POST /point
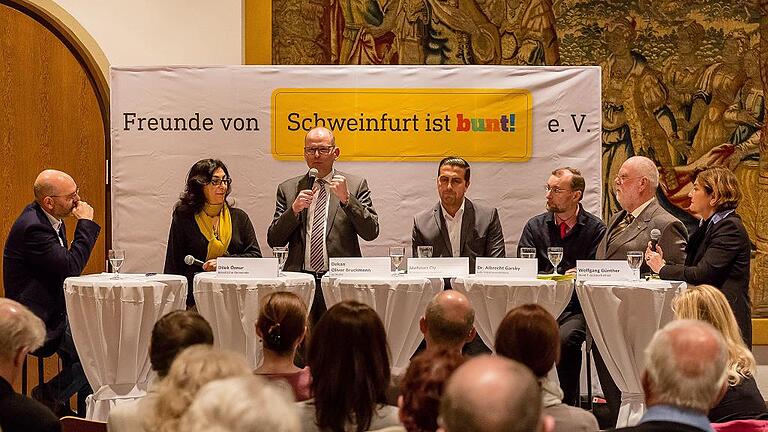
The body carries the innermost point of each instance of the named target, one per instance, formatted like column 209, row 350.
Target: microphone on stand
column 190, row 260
column 655, row 234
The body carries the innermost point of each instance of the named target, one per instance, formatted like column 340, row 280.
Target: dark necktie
column 621, row 227
column 316, row 256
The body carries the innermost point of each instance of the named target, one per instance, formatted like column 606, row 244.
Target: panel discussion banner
column 392, row 125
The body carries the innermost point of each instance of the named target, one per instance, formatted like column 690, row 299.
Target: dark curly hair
column 201, row 173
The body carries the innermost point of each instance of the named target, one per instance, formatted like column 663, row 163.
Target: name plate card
column 522, row 268
column 616, row 270
column 374, row 266
column 247, row 268
column 438, row 267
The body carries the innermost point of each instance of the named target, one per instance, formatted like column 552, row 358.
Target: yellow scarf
column 217, row 246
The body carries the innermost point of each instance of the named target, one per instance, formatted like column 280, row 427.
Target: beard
column 554, row 208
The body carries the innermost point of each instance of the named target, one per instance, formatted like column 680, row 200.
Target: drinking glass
column 116, row 258
column 635, row 260
column 527, row 252
column 555, row 255
column 397, row 254
column 424, row 251
column 281, row 253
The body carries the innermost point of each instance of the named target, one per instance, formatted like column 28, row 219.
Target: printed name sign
column 616, row 270
column 438, row 267
column 523, row 268
column 377, row 267
column 246, row 268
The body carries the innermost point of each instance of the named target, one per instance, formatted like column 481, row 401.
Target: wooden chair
column 76, row 424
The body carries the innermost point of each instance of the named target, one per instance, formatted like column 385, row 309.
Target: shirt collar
column 674, row 414
column 327, row 179
column 459, row 212
column 570, row 222
column 717, row 217
column 55, row 223
column 641, row 207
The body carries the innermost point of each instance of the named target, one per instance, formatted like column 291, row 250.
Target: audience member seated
column 743, row 400
column 21, row 332
column 349, row 360
column 530, row 335
column 192, row 369
column 246, row 403
column 282, row 325
column 685, row 376
column 174, row 332
column 493, row 393
column 422, row 387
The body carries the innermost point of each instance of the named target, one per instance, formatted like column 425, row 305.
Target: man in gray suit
column 325, row 220
column 630, row 230
column 455, row 226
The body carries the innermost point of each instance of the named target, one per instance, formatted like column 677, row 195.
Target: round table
column 400, row 302
column 623, row 317
column 111, row 322
column 231, row 307
column 493, row 297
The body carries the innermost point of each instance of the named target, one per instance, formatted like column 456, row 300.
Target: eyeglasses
column 621, row 178
column 321, row 150
column 556, row 190
column 71, row 196
column 217, row 181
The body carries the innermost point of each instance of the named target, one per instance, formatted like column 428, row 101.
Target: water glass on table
column 281, row 253
column 424, row 251
column 555, row 255
column 397, row 255
column 116, row 258
column 527, row 252
column 635, row 261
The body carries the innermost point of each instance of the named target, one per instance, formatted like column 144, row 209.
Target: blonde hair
column 707, row 303
column 192, row 369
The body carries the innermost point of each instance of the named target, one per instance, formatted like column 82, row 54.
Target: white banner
column 164, row 119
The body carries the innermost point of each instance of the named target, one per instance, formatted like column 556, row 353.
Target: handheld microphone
column 312, row 177
column 655, row 234
column 190, row 260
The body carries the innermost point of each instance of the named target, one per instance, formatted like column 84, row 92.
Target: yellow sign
column 406, row 124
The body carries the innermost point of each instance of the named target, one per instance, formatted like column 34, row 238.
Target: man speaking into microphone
column 321, row 215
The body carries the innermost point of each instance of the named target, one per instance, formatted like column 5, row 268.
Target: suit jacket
column 637, row 235
column 185, row 238
column 660, row 426
column 345, row 222
column 21, row 414
column 481, row 234
column 719, row 255
column 35, row 264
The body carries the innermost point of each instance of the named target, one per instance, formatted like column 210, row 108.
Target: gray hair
column 19, row 328
column 686, row 365
column 646, row 168
column 245, row 403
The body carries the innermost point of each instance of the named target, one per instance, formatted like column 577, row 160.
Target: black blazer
column 21, row 414
column 35, row 264
column 719, row 255
column 185, row 239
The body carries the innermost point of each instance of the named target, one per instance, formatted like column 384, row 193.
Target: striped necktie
column 621, row 227
column 317, row 236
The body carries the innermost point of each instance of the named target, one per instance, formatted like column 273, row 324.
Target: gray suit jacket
column 481, row 234
column 345, row 223
column 673, row 238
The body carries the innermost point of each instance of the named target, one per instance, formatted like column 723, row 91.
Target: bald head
column 448, row 320
column 320, row 135
column 686, row 366
column 491, row 394
column 56, row 192
column 636, row 182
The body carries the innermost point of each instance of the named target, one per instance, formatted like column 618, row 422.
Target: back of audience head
column 348, row 357
column 686, row 366
column 242, row 404
column 707, row 303
column 193, row 368
column 282, row 322
column 493, row 393
column 21, row 332
column 174, row 332
column 448, row 321
column 530, row 335
column 423, row 385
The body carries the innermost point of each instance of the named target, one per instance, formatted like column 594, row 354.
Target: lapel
column 304, row 215
column 437, row 216
column 639, row 225
column 467, row 226
column 610, row 247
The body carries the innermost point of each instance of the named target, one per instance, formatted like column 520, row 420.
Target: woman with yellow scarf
column 205, row 226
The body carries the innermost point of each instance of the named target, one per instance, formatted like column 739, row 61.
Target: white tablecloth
column 400, row 302
column 493, row 297
column 111, row 321
column 622, row 317
column 231, row 306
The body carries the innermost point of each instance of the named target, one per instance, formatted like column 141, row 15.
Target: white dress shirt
column 56, row 223
column 453, row 224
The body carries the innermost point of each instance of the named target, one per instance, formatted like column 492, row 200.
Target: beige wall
column 151, row 32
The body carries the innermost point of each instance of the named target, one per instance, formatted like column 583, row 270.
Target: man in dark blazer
column 20, row 333
column 455, row 226
column 685, row 375
column 325, row 220
column 37, row 259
